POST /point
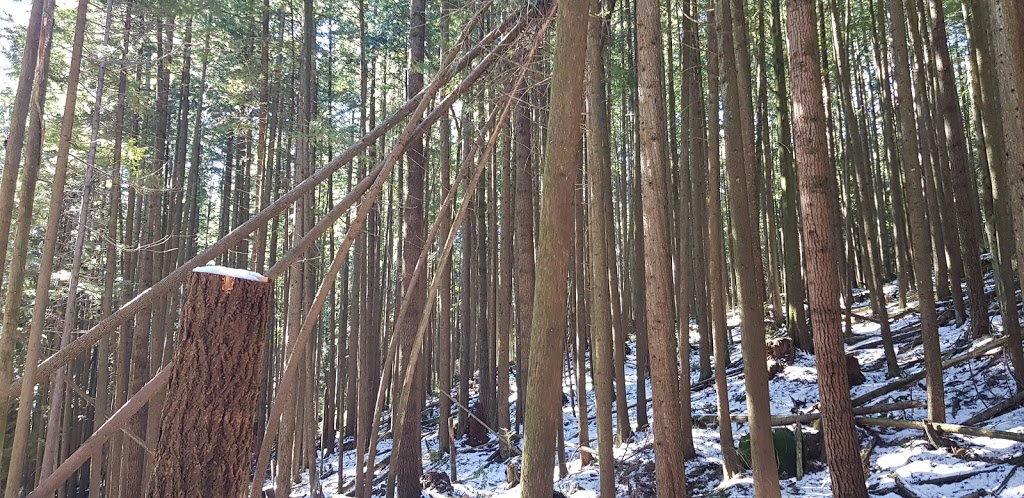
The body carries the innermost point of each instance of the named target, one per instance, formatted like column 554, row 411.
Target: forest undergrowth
column 898, row 462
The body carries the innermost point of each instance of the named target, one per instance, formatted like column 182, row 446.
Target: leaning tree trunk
column 206, row 431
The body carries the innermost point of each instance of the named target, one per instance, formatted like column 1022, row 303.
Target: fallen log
column 896, row 338
column 941, row 428
column 804, row 418
column 911, row 379
column 963, row 476
column 997, row 409
column 864, row 318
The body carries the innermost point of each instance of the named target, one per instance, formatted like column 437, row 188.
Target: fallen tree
column 911, row 379
column 962, row 430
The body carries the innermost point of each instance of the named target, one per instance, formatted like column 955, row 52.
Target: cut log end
column 232, row 273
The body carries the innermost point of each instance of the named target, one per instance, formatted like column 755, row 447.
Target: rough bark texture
column 206, row 430
column 822, row 250
column 747, row 267
column 1007, row 32
column 796, row 315
column 543, row 417
column 966, row 198
column 409, row 456
column 668, row 442
column 523, row 241
column 598, row 180
column 716, row 263
column 916, row 207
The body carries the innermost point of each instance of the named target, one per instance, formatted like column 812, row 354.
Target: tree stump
column 853, row 371
column 206, row 431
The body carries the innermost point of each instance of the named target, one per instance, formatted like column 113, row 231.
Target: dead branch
column 997, row 410
column 804, row 418
column 911, row 379
column 940, row 428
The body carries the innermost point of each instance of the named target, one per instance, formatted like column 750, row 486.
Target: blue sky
column 16, row 12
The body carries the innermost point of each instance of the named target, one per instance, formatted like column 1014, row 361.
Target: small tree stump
column 853, row 371
column 206, row 430
column 780, row 348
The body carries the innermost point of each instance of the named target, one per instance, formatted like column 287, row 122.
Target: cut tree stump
column 206, row 432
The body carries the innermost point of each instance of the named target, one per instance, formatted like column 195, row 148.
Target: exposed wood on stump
column 206, row 431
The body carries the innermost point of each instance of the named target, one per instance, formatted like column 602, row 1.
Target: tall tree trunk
column 444, row 332
column 408, row 460
column 865, row 206
column 796, row 314
column 996, row 150
column 52, row 438
column 750, row 283
column 716, row 254
column 670, row 444
column 523, row 243
column 19, row 254
column 547, row 339
column 1005, row 22
column 14, row 143
column 598, row 182
column 916, row 207
column 819, row 202
column 964, row 185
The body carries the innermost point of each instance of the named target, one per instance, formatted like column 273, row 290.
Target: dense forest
column 558, row 247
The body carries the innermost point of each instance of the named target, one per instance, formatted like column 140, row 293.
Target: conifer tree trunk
column 996, row 152
column 796, row 314
column 865, row 205
column 523, row 242
column 818, row 201
column 13, row 145
column 716, row 255
column 1005, row 20
column 52, row 439
column 543, row 419
column 964, row 185
column 408, row 460
column 504, row 325
column 670, row 443
column 747, row 259
column 287, row 456
column 598, row 182
column 444, row 330
column 213, row 390
column 916, row 210
column 695, row 145
column 17, row 263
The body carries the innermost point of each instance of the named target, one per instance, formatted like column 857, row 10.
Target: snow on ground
column 902, row 464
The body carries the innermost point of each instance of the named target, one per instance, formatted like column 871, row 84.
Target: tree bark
column 17, row 263
column 547, row 340
column 819, row 203
column 716, row 255
column 206, row 430
column 408, row 460
column 598, row 182
column 964, row 184
column 747, row 259
column 669, row 444
column 917, row 208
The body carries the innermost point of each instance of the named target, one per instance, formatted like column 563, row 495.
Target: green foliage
column 785, row 451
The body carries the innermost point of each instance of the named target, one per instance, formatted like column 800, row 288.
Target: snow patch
column 232, row 272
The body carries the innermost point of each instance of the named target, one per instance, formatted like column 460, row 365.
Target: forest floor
column 902, row 463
